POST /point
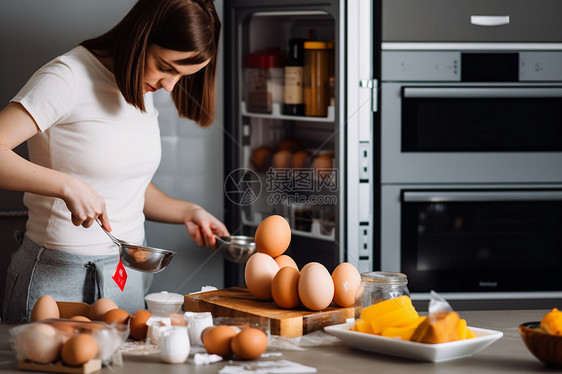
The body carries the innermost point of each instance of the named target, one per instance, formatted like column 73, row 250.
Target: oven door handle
column 478, row 92
column 489, row 20
column 483, row 196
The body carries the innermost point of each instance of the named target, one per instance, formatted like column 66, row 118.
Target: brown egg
column 299, row 159
column 217, row 340
column 45, row 307
column 177, row 319
column 346, row 280
column 79, row 349
column 282, row 159
column 285, row 287
column 258, row 274
column 324, row 161
column 273, row 236
column 249, row 343
column 40, row 343
column 205, row 331
column 285, row 260
column 118, row 316
column 67, row 328
column 316, row 288
column 80, row 318
column 100, row 307
column 261, row 158
column 137, row 324
column 92, row 326
column 290, row 144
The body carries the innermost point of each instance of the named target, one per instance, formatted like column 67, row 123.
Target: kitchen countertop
column 507, row 355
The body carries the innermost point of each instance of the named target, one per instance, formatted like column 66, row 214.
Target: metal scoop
column 147, row 259
column 237, row 249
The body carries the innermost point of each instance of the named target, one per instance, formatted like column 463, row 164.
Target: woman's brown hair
column 180, row 25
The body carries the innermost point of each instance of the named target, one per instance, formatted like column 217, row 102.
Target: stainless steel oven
column 478, row 241
column 471, row 154
column 440, row 123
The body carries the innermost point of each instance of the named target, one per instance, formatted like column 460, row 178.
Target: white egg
column 316, row 288
column 258, row 274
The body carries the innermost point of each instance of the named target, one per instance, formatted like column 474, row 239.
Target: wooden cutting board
column 239, row 302
column 58, row 367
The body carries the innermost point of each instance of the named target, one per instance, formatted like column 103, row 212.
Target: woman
column 94, row 146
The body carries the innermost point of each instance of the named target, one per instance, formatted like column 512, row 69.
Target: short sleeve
column 49, row 94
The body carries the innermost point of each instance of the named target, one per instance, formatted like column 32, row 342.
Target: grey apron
column 36, row 271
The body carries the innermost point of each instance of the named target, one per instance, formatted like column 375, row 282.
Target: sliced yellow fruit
column 552, row 322
column 438, row 328
column 462, row 330
column 403, row 332
column 362, row 326
column 390, row 313
column 385, row 306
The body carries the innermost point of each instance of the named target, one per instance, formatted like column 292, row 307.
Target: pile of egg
column 270, row 274
column 45, row 342
column 223, row 340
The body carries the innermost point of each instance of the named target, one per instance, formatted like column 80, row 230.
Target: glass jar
column 316, row 79
column 378, row 286
column 263, row 76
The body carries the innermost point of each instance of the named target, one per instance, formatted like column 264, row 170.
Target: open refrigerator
column 315, row 168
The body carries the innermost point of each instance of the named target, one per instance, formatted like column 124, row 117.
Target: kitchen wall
column 32, row 32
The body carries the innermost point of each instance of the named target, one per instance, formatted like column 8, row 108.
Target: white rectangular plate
column 418, row 351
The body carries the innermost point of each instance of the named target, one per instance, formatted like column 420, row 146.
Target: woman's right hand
column 85, row 204
column 19, row 174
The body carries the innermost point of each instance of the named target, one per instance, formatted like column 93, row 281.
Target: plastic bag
column 437, row 304
column 41, row 342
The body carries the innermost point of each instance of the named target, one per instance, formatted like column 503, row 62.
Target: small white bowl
column 162, row 303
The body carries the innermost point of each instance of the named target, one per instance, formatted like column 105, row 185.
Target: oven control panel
column 414, row 66
column 540, row 66
column 471, row 66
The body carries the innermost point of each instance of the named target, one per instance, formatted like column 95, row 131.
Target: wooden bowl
column 546, row 347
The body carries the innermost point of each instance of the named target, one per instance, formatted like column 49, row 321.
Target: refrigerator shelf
column 278, row 115
column 317, row 232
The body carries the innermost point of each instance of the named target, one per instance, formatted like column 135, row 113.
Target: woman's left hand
column 203, row 226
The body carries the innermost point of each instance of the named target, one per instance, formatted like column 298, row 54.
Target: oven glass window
column 481, row 124
column 482, row 246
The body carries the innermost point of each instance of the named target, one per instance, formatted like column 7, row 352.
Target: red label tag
column 120, row 275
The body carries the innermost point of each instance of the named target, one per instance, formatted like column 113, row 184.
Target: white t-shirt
column 88, row 130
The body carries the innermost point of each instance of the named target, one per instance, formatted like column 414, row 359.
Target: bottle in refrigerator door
column 263, row 76
column 316, row 78
column 293, row 99
column 331, row 73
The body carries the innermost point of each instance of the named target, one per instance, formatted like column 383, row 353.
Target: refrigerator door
column 306, row 168
column 361, row 101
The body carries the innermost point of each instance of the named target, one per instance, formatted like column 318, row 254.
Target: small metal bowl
column 237, row 248
column 147, row 259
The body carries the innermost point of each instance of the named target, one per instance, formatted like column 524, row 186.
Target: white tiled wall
column 191, row 169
